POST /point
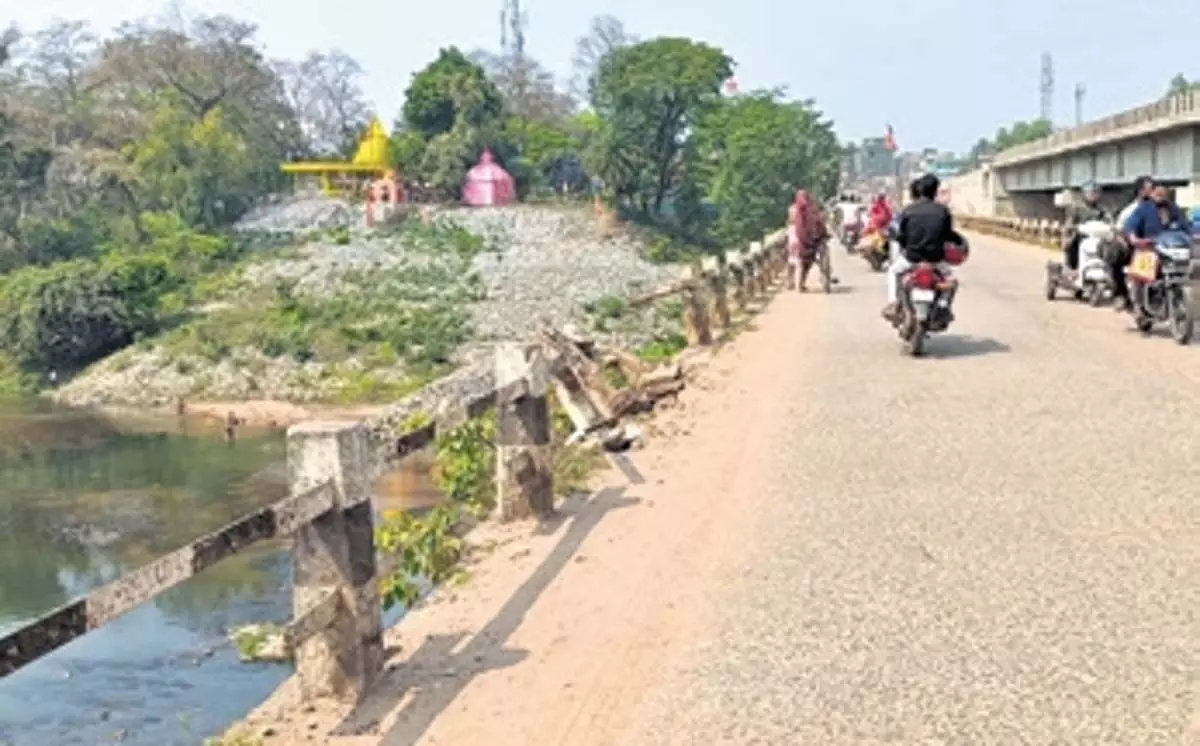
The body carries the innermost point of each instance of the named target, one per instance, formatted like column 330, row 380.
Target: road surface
column 998, row 544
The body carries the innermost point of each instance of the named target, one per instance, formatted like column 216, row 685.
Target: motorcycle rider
column 926, row 226
column 1150, row 218
column 1119, row 256
column 1077, row 215
column 878, row 219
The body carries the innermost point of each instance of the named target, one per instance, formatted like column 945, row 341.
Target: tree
column 982, row 148
column 195, row 168
column 449, row 89
column 1021, row 132
column 754, row 152
column 527, row 88
column 648, row 96
column 605, row 35
column 324, row 91
column 55, row 70
column 1180, row 84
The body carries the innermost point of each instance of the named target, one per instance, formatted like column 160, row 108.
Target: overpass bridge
column 1161, row 139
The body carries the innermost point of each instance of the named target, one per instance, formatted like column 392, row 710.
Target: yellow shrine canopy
column 372, row 160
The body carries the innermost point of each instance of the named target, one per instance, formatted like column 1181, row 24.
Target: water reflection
column 85, row 498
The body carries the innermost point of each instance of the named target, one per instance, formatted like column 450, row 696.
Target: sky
column 942, row 72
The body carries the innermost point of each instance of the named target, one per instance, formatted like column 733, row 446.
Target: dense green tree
column 754, row 152
column 450, row 89
column 648, row 96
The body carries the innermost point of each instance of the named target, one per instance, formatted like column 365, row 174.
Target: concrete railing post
column 737, row 271
column 695, row 317
column 524, row 457
column 720, row 300
column 336, row 553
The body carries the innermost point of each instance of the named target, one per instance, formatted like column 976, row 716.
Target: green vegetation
column 125, row 160
column 1010, row 137
column 430, row 546
column 412, row 315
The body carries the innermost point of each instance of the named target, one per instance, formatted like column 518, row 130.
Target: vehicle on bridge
column 926, row 298
column 1092, row 280
column 876, row 249
column 1162, row 291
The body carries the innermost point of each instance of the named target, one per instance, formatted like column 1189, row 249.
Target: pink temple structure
column 488, row 184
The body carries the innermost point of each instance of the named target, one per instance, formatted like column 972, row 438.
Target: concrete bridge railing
column 1046, row 233
column 335, row 634
column 1182, row 108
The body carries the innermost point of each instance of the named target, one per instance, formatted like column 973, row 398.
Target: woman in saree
column 807, row 235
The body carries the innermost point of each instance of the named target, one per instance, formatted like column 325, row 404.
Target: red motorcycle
column 926, row 297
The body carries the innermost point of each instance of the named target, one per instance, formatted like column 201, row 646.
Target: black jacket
column 925, row 229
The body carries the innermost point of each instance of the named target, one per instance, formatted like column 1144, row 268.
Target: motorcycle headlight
column 1178, row 254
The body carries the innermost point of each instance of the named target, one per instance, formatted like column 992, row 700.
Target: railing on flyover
column 1176, row 109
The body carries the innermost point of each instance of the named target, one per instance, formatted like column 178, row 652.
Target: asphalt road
column 996, row 544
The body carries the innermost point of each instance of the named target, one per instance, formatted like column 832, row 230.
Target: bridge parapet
column 335, row 635
column 1173, row 111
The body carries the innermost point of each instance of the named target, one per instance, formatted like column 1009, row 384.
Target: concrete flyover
column 1161, row 139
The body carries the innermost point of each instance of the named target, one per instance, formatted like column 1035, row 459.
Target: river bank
column 336, row 316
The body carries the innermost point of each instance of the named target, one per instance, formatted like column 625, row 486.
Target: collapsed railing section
column 335, row 635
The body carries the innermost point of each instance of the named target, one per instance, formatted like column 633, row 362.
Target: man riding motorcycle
column 851, row 223
column 926, row 227
column 1077, row 215
column 1150, row 218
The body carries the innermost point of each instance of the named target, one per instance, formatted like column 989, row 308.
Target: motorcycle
column 1092, row 281
column 849, row 237
column 1161, row 290
column 876, row 251
column 926, row 296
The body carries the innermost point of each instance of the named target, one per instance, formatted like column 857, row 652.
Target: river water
column 85, row 497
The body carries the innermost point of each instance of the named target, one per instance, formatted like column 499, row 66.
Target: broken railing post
column 696, row 323
column 335, row 553
column 524, row 465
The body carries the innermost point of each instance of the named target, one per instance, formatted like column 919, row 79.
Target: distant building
column 876, row 160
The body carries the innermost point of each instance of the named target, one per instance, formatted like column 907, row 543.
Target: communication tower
column 512, row 28
column 1047, row 87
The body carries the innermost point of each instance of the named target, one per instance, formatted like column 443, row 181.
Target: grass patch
column 663, row 348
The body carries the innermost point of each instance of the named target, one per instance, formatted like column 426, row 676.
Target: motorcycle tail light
column 923, row 277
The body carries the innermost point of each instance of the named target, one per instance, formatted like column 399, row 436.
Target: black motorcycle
column 1161, row 288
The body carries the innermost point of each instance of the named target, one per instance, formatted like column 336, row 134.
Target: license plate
column 921, row 295
column 1144, row 265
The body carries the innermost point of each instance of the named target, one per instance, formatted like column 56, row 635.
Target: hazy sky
column 858, row 58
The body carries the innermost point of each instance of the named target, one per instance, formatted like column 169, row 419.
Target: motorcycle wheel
column 1183, row 326
column 875, row 261
column 1095, row 296
column 1051, row 287
column 915, row 344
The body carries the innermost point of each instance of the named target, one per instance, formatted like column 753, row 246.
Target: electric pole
column 1080, row 92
